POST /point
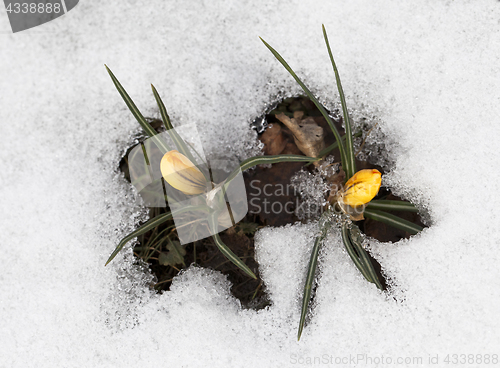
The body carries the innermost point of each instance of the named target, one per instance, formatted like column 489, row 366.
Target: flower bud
column 182, row 174
column 361, row 188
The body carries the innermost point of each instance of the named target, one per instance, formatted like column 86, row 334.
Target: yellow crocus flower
column 361, row 188
column 182, row 174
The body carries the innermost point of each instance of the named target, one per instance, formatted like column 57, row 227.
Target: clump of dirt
column 272, row 201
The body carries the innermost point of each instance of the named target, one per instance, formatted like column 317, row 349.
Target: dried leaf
column 308, row 135
column 273, row 139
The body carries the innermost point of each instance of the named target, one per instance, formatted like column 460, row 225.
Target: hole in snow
column 277, row 195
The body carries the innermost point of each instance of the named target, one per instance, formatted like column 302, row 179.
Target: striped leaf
column 224, row 249
column 262, row 160
column 351, row 167
column 311, row 271
column 346, row 239
column 356, row 240
column 179, row 142
column 163, row 110
column 320, row 107
column 135, row 111
column 392, row 220
column 151, row 224
column 387, row 205
column 334, row 145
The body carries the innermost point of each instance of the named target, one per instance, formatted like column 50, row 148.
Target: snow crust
column 427, row 71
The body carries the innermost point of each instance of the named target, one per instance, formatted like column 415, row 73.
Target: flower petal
column 182, row 174
column 362, row 187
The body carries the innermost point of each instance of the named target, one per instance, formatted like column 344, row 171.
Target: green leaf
column 356, row 240
column 346, row 239
column 392, row 220
column 137, row 114
column 320, row 107
column 179, row 142
column 351, row 167
column 151, row 224
column 311, row 271
column 224, row 249
column 387, row 205
column 174, row 256
column 261, row 160
column 163, row 110
column 334, row 145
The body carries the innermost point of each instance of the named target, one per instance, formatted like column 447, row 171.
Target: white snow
column 427, row 71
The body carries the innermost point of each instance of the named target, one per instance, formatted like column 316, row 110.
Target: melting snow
column 428, row 71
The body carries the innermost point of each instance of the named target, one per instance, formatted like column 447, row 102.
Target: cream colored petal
column 182, row 174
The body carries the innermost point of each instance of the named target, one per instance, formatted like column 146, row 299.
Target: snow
column 426, row 71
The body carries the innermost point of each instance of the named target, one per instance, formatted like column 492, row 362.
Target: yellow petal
column 182, row 174
column 362, row 187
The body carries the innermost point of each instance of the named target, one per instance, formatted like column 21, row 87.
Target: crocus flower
column 361, row 188
column 182, row 174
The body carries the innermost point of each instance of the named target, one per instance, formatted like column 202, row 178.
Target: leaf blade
column 334, row 145
column 392, row 220
column 351, row 167
column 136, row 112
column 311, row 271
column 346, row 239
column 163, row 109
column 151, row 224
column 178, row 141
column 365, row 258
column 263, row 160
column 175, row 255
column 389, row 205
column 314, row 100
column 224, row 249
column 158, row 220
